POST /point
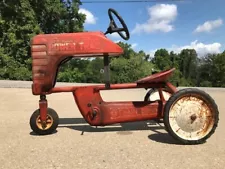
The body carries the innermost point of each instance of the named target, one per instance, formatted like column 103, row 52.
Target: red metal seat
column 157, row 77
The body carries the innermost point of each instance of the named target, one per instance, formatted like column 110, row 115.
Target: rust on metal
column 162, row 98
column 112, row 112
column 190, row 118
column 48, row 51
column 38, row 48
column 44, row 125
column 171, row 87
column 43, row 105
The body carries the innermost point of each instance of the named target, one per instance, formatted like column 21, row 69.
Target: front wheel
column 52, row 122
column 191, row 116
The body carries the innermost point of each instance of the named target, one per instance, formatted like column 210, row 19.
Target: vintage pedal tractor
column 190, row 115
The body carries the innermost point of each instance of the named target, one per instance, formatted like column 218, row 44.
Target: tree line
column 21, row 20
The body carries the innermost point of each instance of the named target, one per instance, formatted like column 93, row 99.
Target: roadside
column 27, row 84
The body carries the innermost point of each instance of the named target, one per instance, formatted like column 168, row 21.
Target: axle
column 43, row 105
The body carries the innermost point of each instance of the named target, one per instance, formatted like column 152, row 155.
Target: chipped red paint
column 98, row 112
column 43, row 106
column 49, row 50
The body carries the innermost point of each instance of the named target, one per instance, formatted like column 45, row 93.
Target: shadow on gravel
column 80, row 124
column 163, row 138
column 34, row 134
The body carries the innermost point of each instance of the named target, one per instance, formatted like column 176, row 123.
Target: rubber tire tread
column 173, row 99
column 35, row 128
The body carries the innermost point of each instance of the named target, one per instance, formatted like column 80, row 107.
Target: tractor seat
column 157, row 77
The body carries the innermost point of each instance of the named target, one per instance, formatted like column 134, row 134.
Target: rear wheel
column 191, row 116
column 51, row 122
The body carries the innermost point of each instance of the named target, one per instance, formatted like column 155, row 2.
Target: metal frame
column 98, row 112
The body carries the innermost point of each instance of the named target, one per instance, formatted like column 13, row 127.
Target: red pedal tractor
column 190, row 115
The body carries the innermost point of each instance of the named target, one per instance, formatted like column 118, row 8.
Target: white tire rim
column 191, row 118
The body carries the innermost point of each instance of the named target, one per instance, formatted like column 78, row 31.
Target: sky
column 195, row 24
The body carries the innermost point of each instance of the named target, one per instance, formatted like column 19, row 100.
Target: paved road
column 77, row 145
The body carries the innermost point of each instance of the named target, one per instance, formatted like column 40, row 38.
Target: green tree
column 94, row 71
column 73, row 70
column 218, row 77
column 130, row 66
column 129, row 70
column 128, row 52
column 162, row 59
column 17, row 26
column 211, row 70
column 57, row 16
column 143, row 55
column 188, row 65
column 206, row 70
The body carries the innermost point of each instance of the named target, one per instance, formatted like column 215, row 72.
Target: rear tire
column 191, row 116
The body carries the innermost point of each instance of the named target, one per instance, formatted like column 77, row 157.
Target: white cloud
column 90, row 18
column 208, row 26
column 160, row 18
column 200, row 48
column 134, row 45
column 117, row 41
column 114, row 36
column 151, row 52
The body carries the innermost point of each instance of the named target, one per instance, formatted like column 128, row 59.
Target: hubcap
column 191, row 118
column 46, row 125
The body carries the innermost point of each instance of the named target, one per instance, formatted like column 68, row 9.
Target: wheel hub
column 44, row 125
column 193, row 118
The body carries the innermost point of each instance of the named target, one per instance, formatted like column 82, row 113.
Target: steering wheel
column 113, row 27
